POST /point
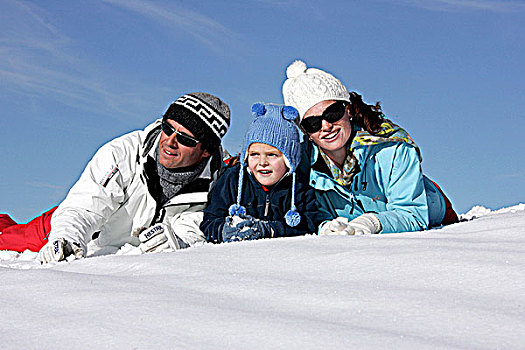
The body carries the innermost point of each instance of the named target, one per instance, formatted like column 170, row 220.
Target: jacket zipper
column 267, row 198
column 364, row 182
column 267, row 206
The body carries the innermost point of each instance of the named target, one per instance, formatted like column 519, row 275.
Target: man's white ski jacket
column 111, row 202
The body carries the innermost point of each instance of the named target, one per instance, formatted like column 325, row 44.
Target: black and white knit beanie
column 206, row 116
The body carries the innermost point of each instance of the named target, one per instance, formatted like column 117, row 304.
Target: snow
column 479, row 211
column 461, row 286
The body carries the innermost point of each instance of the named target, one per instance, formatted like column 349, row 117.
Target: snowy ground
column 460, row 287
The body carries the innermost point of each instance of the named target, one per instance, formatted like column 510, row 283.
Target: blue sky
column 75, row 74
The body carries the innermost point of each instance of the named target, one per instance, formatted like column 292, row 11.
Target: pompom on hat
column 306, row 87
column 273, row 125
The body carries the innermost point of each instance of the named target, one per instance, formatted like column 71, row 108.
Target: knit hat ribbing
column 274, row 126
column 305, row 87
column 206, row 116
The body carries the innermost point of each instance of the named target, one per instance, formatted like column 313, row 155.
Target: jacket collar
column 151, row 141
column 283, row 181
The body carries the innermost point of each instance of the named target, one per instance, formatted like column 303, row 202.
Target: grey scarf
column 173, row 180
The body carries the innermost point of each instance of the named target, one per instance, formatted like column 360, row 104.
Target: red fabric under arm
column 19, row 237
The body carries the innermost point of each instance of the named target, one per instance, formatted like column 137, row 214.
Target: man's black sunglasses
column 332, row 114
column 182, row 138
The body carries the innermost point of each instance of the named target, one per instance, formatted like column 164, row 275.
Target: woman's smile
column 331, row 136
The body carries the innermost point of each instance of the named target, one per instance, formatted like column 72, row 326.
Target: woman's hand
column 365, row 224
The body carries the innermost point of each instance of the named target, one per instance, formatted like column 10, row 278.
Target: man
column 147, row 188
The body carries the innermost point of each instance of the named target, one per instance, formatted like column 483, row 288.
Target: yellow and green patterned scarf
column 389, row 132
column 350, row 167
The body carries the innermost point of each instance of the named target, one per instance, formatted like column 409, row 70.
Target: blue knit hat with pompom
column 273, row 125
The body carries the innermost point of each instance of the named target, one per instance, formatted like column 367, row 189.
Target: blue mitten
column 245, row 221
column 228, row 229
column 244, row 228
column 264, row 228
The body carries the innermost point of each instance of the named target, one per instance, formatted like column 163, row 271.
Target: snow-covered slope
column 462, row 286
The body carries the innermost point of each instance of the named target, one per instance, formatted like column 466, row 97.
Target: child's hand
column 228, row 230
column 243, row 228
column 262, row 227
column 245, row 221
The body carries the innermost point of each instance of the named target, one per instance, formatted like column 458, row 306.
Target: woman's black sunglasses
column 332, row 114
column 182, row 138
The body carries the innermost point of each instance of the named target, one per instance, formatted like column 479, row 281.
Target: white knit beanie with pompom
column 305, row 87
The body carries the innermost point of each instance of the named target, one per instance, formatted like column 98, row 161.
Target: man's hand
column 60, row 249
column 365, row 224
column 158, row 238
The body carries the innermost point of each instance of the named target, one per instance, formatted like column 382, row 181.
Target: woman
column 365, row 169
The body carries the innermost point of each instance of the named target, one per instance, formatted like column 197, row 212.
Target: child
column 263, row 197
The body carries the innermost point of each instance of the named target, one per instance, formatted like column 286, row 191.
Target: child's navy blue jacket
column 269, row 205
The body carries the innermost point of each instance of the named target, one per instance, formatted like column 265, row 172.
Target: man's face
column 174, row 155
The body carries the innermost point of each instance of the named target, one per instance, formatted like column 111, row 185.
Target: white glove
column 60, row 249
column 336, row 226
column 158, row 238
column 362, row 225
column 366, row 224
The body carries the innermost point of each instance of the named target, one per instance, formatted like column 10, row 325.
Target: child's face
column 266, row 163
